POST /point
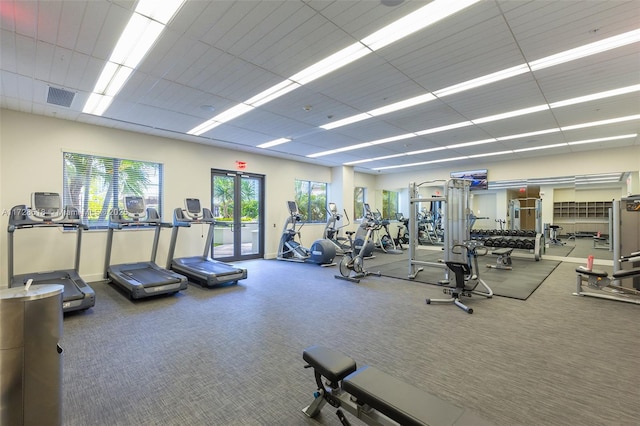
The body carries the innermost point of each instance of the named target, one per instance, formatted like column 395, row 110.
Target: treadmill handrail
column 20, row 218
column 180, row 219
column 117, row 221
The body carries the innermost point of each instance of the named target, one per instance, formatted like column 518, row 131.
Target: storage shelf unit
column 582, row 216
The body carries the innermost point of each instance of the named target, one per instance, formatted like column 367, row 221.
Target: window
column 389, row 204
column 312, row 200
column 358, row 202
column 96, row 185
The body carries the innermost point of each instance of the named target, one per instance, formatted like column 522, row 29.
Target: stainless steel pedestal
column 30, row 357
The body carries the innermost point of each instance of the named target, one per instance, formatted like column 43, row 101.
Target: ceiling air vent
column 60, row 97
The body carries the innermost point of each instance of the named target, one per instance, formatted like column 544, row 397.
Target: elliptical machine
column 332, row 231
column 403, row 231
column 361, row 247
column 322, row 251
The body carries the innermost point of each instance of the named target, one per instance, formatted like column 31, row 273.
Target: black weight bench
column 376, row 397
column 504, row 259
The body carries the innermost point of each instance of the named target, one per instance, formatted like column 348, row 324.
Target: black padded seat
column 591, row 272
column 329, row 363
column 624, row 273
column 398, row 400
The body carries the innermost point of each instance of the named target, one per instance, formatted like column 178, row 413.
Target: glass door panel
column 237, row 205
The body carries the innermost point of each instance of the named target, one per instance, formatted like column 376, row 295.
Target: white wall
column 31, row 150
column 580, row 163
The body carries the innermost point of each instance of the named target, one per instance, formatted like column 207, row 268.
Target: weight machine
column 460, row 253
column 455, row 219
column 625, row 215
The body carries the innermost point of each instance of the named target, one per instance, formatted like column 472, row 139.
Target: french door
column 238, row 206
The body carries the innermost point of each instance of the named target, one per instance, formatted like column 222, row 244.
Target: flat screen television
column 478, row 178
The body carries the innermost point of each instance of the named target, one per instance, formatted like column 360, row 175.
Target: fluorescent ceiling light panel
column 481, row 81
column 415, row 21
column 274, row 143
column 596, row 96
column 586, row 50
column 423, row 17
column 345, row 121
column 221, row 118
column 404, row 154
column 563, row 144
column 161, row 11
column 528, row 134
column 118, row 80
column 393, row 139
column 97, row 104
column 331, row 63
column 422, row 163
column 610, row 138
column 136, row 40
column 480, row 142
column 272, row 93
column 511, row 114
column 143, row 29
column 601, row 122
column 417, row 100
column 337, row 150
column 363, row 145
column 556, row 59
column 368, row 160
column 106, row 75
column 444, row 128
column 536, row 148
column 491, row 154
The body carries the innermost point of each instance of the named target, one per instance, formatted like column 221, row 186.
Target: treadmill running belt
column 149, row 277
column 71, row 290
column 217, row 268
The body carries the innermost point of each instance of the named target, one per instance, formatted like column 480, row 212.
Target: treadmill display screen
column 193, row 206
column 46, row 205
column 134, row 205
column 293, row 207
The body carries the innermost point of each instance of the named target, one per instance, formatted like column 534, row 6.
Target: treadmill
column 140, row 279
column 45, row 209
column 202, row 270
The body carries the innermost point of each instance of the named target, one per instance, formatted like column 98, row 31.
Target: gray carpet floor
column 519, row 283
column 233, row 355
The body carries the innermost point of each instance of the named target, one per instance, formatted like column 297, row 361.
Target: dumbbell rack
column 520, row 239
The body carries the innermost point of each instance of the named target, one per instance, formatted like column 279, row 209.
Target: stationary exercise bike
column 466, row 281
column 353, row 259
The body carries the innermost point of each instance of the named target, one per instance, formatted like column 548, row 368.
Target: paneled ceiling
column 216, row 54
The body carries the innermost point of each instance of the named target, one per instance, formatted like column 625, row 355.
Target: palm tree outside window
column 96, row 185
